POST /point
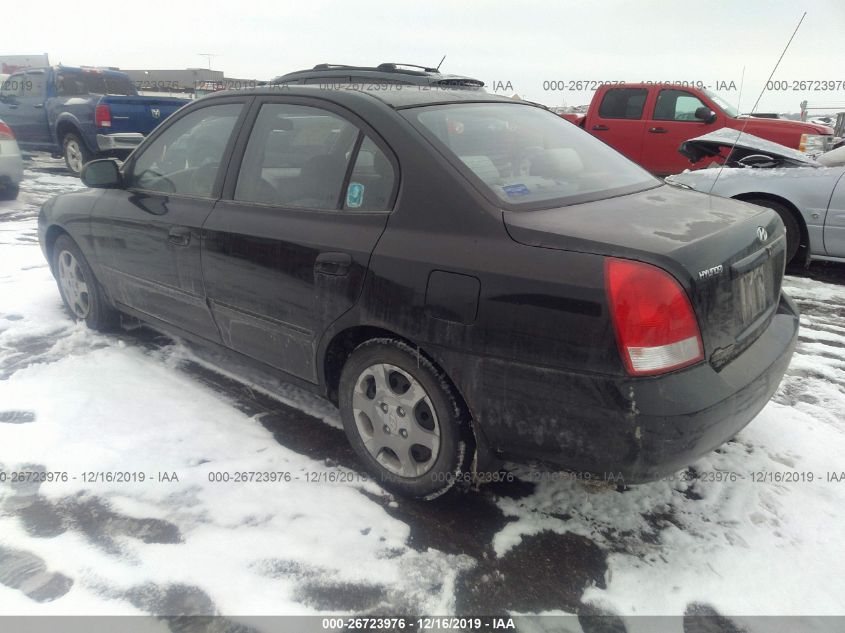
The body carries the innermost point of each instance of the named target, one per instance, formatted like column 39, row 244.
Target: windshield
column 726, row 107
column 527, row 156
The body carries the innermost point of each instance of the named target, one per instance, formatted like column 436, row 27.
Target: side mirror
column 102, row 174
column 705, row 114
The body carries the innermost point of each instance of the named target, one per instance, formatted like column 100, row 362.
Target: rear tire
column 81, row 293
column 75, row 153
column 790, row 223
column 9, row 192
column 402, row 419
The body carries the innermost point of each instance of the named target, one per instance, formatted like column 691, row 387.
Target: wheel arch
column 342, row 345
column 54, row 231
column 65, row 126
column 799, row 218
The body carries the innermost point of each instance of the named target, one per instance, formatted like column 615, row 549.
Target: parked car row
column 469, row 278
column 79, row 113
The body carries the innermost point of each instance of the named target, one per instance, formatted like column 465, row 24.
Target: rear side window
column 371, row 182
column 676, row 105
column 14, row 86
column 623, row 103
column 186, row 157
column 296, row 156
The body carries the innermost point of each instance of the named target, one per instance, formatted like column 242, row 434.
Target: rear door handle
column 658, row 130
column 333, row 263
column 38, row 105
column 179, row 236
column 600, row 128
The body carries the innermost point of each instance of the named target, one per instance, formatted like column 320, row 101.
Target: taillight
column 655, row 325
column 6, row 133
column 102, row 116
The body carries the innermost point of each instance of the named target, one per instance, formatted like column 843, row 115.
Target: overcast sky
column 524, row 42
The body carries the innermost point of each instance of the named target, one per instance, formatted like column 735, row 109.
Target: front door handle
column 658, row 130
column 179, row 236
column 333, row 263
column 600, row 128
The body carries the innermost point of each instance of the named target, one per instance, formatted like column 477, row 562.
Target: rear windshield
column 83, row 83
column 527, row 156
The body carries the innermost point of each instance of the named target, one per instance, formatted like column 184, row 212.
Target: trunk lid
column 139, row 114
column 729, row 256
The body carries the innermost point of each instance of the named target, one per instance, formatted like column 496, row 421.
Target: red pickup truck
column 648, row 122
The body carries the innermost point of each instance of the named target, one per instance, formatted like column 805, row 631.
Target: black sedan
column 470, row 278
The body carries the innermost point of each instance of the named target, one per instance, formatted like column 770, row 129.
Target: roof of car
column 389, row 72
column 397, row 97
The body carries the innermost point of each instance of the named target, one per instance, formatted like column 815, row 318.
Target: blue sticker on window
column 516, row 190
column 354, row 195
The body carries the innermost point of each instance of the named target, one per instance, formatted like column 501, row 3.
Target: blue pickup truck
column 80, row 113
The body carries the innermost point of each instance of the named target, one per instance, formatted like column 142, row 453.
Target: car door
column 672, row 122
column 148, row 233
column 286, row 250
column 619, row 121
column 834, row 224
column 34, row 114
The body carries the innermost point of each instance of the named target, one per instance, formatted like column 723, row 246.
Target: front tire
column 75, row 153
column 402, row 418
column 81, row 293
column 793, row 231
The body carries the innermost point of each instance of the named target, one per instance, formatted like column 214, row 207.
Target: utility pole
column 208, row 57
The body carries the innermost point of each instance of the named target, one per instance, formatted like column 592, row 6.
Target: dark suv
column 470, row 278
column 381, row 75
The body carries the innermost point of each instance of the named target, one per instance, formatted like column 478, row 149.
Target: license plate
column 755, row 291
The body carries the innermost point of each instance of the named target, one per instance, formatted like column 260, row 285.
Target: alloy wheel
column 74, row 285
column 73, row 153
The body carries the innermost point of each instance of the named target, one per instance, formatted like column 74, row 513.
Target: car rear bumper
column 120, row 141
column 624, row 429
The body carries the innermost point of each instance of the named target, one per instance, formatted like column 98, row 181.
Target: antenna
column 756, row 103
column 441, row 62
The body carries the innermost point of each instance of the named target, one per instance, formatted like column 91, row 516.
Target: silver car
column 808, row 193
column 11, row 164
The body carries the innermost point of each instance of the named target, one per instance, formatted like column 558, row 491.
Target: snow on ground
column 730, row 533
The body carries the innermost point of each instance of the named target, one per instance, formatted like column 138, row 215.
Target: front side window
column 34, row 84
column 296, row 156
column 528, row 156
column 623, row 103
column 186, row 157
column 676, row 105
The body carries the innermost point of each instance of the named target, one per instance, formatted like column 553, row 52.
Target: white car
column 11, row 164
column 808, row 193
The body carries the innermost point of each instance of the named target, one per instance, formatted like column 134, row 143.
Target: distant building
column 13, row 63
